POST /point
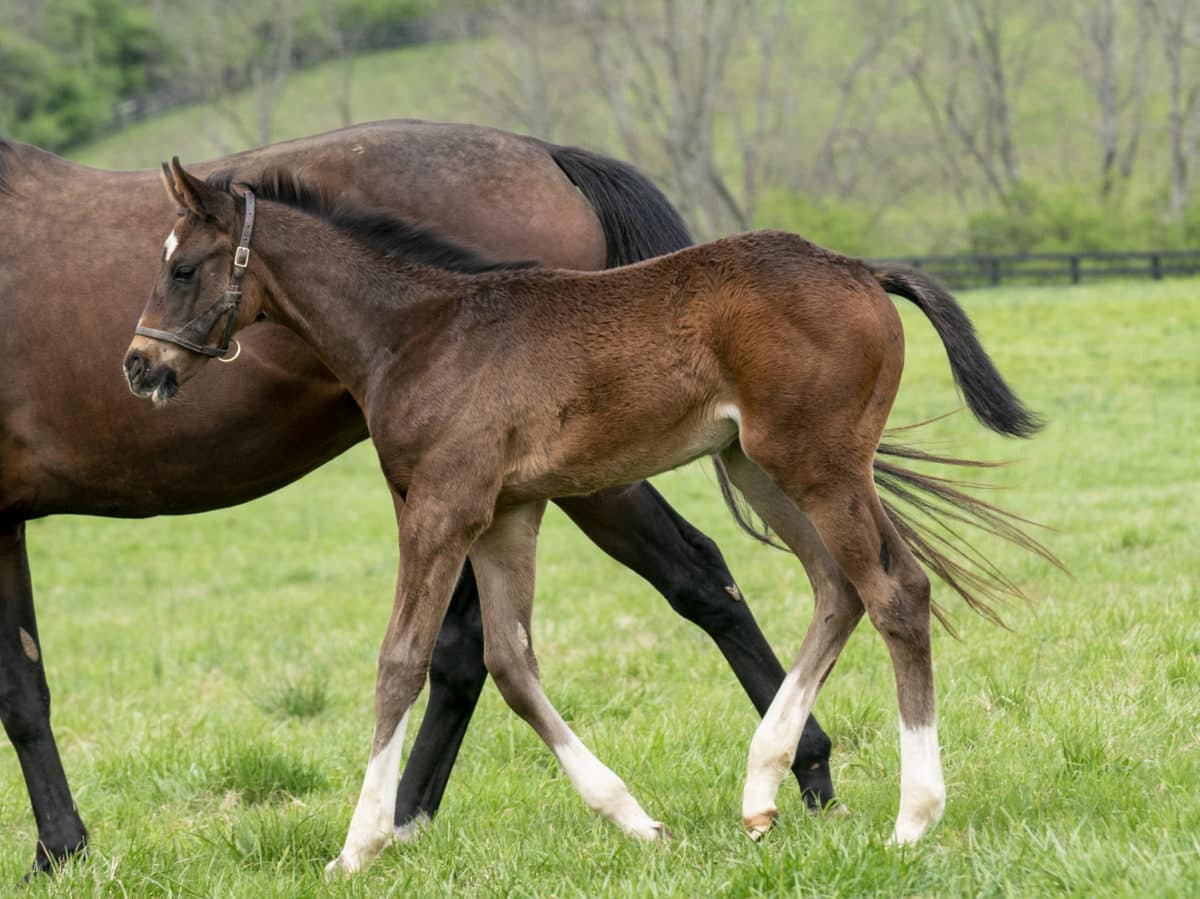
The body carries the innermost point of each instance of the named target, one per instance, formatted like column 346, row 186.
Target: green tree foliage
column 66, row 62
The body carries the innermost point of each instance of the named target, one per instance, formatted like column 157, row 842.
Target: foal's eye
column 183, row 273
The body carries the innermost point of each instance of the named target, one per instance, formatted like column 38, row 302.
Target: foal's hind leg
column 639, row 529
column 503, row 558
column 842, row 505
column 836, row 611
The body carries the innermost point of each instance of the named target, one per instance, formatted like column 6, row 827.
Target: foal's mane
column 381, row 230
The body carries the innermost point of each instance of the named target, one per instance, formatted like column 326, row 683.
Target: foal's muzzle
column 147, row 379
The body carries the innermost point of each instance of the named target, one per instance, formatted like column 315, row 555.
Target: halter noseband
column 194, row 335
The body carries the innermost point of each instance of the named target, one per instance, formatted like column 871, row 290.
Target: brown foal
column 490, row 388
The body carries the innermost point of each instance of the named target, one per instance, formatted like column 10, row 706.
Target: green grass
column 187, row 657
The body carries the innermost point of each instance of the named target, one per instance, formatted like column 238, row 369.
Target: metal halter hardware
column 194, row 334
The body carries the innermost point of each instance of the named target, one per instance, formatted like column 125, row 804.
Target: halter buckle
column 241, row 258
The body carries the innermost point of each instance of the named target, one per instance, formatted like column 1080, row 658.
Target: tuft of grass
column 301, row 696
column 258, row 772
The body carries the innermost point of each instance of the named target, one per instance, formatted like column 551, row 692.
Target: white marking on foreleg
column 922, row 789
column 373, row 820
column 171, row 245
column 604, row 792
column 772, row 751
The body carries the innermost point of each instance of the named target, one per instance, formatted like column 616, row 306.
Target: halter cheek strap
column 194, row 335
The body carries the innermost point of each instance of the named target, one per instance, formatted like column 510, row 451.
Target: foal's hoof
column 343, row 866
column 648, row 830
column 758, row 824
column 335, row 869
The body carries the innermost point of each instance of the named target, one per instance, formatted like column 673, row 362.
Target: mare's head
column 205, row 290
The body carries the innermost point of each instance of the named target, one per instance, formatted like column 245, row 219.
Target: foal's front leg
column 434, row 534
column 503, row 559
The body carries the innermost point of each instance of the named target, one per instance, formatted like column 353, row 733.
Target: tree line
column 69, row 67
column 875, row 126
column 1019, row 125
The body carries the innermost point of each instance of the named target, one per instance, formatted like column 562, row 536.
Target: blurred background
column 877, row 127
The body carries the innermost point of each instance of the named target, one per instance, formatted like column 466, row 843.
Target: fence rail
column 976, row 270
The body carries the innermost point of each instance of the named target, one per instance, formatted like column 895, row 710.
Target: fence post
column 995, row 270
column 1156, row 267
column 1074, row 269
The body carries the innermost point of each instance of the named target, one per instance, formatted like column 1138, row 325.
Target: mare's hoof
column 47, row 860
column 409, row 830
column 758, row 824
column 663, row 833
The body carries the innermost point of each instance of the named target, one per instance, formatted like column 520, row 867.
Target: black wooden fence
column 1053, row 268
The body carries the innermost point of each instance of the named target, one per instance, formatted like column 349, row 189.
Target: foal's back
column 617, row 375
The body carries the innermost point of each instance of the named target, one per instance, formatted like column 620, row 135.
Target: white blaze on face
column 170, row 246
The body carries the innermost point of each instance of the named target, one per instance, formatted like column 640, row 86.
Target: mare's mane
column 381, row 230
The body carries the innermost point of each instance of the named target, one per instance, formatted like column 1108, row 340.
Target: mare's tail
column 639, row 222
column 987, row 396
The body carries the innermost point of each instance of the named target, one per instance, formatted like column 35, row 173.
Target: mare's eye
column 183, row 273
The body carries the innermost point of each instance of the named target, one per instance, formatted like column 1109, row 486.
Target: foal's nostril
column 137, row 368
column 134, row 366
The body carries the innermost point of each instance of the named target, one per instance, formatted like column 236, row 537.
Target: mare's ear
column 194, row 195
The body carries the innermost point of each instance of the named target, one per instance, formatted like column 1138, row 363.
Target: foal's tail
column 929, row 511
column 640, row 223
column 988, row 397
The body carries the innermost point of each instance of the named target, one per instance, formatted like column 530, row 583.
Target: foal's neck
column 344, row 300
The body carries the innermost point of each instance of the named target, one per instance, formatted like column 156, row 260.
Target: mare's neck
column 345, row 301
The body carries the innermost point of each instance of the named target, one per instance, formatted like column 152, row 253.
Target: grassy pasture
column 213, row 674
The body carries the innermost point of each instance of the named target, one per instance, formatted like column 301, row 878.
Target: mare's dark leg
column 639, row 529
column 456, row 677
column 25, row 709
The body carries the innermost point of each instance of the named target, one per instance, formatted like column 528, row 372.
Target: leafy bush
column 1038, row 219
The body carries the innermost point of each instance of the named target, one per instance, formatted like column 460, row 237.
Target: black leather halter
column 194, row 335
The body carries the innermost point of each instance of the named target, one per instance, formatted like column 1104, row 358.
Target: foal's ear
column 168, row 180
column 190, row 192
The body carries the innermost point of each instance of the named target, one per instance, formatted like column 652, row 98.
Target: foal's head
column 206, row 288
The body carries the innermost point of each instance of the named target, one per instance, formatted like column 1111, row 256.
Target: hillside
column 907, row 190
